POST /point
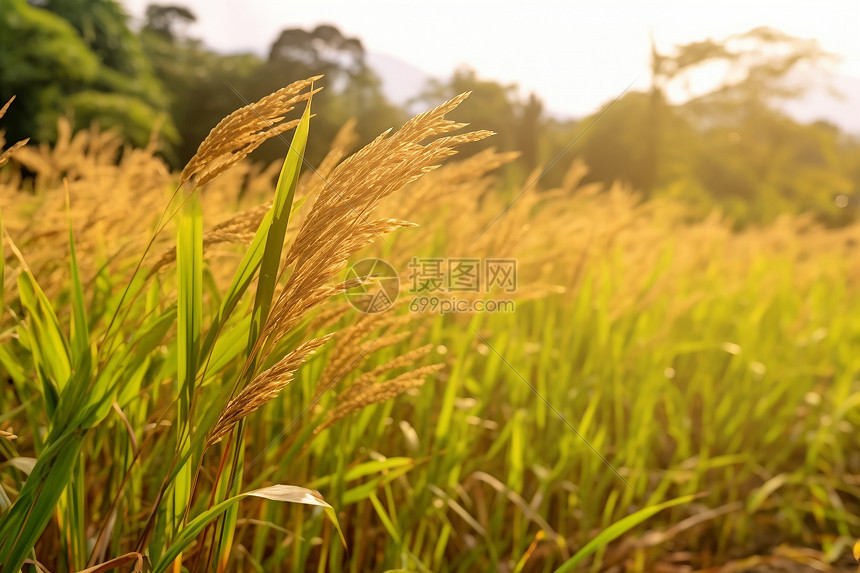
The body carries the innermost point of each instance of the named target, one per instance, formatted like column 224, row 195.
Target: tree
column 164, row 19
column 520, row 124
column 621, row 144
column 758, row 67
column 529, row 130
column 352, row 89
column 77, row 57
column 728, row 145
column 755, row 65
column 196, row 80
column 42, row 61
column 204, row 86
column 323, row 50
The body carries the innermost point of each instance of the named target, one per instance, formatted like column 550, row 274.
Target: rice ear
column 340, row 222
column 263, row 388
column 339, row 225
column 366, row 391
column 243, row 131
column 6, row 154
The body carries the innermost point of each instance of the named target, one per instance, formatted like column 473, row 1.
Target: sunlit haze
column 575, row 55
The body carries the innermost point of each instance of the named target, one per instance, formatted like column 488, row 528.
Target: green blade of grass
column 273, row 225
column 79, row 338
column 189, row 311
column 227, row 347
column 239, row 285
column 66, row 397
column 281, row 208
column 367, row 468
column 189, row 307
column 22, row 525
column 286, row 493
column 620, row 528
column 47, row 344
column 72, row 503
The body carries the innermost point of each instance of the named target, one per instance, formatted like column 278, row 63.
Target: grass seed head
column 243, row 131
column 263, row 388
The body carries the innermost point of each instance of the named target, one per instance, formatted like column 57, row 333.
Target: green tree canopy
column 77, row 57
column 731, row 145
column 204, row 86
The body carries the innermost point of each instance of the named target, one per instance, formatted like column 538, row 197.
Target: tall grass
column 179, row 355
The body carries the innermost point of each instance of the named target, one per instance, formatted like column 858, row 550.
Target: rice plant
column 180, row 356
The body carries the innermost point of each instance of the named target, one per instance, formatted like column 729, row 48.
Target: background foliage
column 729, row 148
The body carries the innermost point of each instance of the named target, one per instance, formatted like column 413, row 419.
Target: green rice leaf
column 274, row 224
column 22, row 525
column 286, row 493
column 281, row 208
column 47, row 343
column 189, row 312
column 80, row 335
column 189, row 308
column 618, row 529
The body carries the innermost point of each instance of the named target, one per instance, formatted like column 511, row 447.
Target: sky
column 575, row 54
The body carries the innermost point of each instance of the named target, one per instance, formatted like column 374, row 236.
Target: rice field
column 190, row 385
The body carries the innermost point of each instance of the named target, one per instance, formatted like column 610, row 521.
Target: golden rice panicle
column 305, row 291
column 395, row 363
column 85, row 154
column 328, row 317
column 338, row 224
column 7, row 153
column 344, row 141
column 6, row 106
column 353, row 348
column 240, row 228
column 360, row 389
column 360, row 182
column 433, row 122
column 460, row 188
column 264, row 387
column 244, row 130
column 361, row 395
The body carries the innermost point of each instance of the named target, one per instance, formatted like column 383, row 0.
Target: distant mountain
column 401, row 81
